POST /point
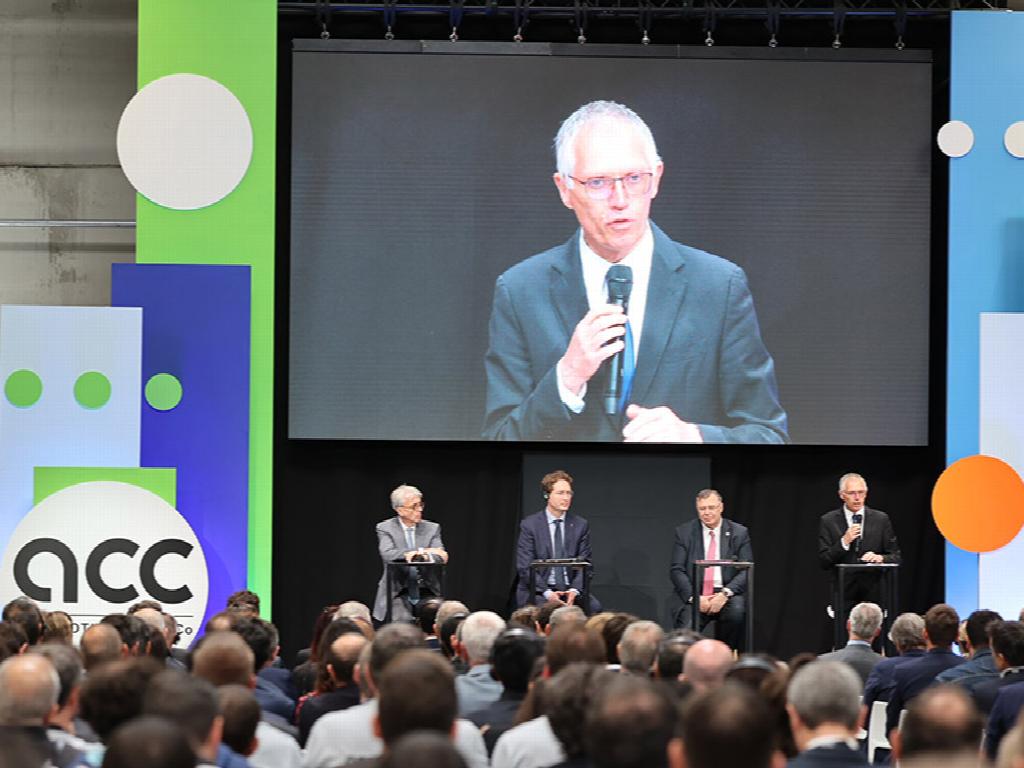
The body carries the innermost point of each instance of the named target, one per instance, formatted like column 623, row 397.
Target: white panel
column 1001, row 434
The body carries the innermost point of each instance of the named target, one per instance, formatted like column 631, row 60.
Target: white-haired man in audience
column 639, row 646
column 823, row 703
column 863, row 626
column 477, row 688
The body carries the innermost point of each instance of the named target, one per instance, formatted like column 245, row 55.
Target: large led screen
column 776, row 257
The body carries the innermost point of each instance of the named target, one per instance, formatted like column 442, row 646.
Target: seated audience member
column 752, row 669
column 311, row 676
column 423, row 749
column 543, row 616
column 668, row 664
column 355, row 610
column 566, row 614
column 242, row 716
column 64, row 727
column 220, row 622
column 244, row 601
column 341, row 737
column 863, row 626
column 638, row 647
column 525, row 617
column 706, row 664
column 12, row 640
column 569, row 699
column 172, row 634
column 612, row 631
column 57, row 627
column 981, row 666
column 569, row 644
column 224, row 658
column 260, row 636
column 513, row 656
column 727, row 727
column 477, row 688
column 824, row 714
column 416, row 692
column 1005, row 712
column 100, row 643
column 1011, row 749
column 772, row 691
column 26, row 614
column 449, row 639
column 274, row 672
column 342, row 692
column 427, row 618
column 941, row 624
column 448, row 609
column 149, row 742
column 630, row 725
column 907, row 634
column 192, row 704
column 940, row 724
column 325, row 617
column 1007, row 641
column 133, row 632
column 112, row 693
column 29, row 690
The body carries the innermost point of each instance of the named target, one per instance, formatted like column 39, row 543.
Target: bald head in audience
column 224, row 658
column 29, row 688
column 100, row 643
column 706, row 664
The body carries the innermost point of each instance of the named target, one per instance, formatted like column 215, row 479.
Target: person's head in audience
column 566, row 614
column 706, row 664
column 224, row 658
column 323, row 619
column 100, row 643
column 362, row 672
column 343, row 626
column 423, row 749
column 941, row 722
column 1007, row 641
column 513, row 655
column 415, row 692
column 149, row 742
column 68, row 665
column 241, row 713
column 865, row 622
column 668, row 664
column 449, row 632
column 192, row 704
column 568, row 699
column 479, row 631
column 112, row 693
column 29, row 688
column 353, row 609
column 261, row 637
column 57, row 627
column 824, row 700
column 427, row 615
column 630, row 724
column 569, row 644
column 772, row 691
column 612, row 632
column 639, row 646
column 941, row 625
column 976, row 630
column 153, row 618
column 391, row 641
column 342, row 657
column 26, row 614
column 136, row 607
column 727, row 727
column 543, row 616
column 133, row 631
column 907, row 632
column 244, row 600
column 448, row 609
column 12, row 640
column 598, row 620
column 1011, row 748
column 752, row 669
column 221, row 621
column 525, row 617
column 171, row 632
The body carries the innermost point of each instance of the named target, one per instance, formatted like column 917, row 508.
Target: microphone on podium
column 620, row 284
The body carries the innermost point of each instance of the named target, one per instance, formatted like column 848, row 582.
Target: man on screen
column 693, row 366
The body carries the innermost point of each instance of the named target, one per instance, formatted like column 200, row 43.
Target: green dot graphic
column 23, row 388
column 163, row 392
column 92, row 390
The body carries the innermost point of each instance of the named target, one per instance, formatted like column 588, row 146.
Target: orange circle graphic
column 978, row 503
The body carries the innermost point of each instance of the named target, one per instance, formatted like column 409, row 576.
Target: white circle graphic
column 955, row 138
column 184, row 141
column 1013, row 139
column 98, row 547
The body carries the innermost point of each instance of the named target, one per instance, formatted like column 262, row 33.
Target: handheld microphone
column 858, row 519
column 620, row 284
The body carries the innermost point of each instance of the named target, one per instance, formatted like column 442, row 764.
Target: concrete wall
column 67, row 69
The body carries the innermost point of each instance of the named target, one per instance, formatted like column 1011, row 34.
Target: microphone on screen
column 620, row 284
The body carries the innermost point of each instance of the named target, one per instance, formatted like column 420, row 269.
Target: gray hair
column 565, row 140
column 567, row 614
column 400, row 496
column 639, row 645
column 826, row 692
column 865, row 619
column 353, row 609
column 708, row 493
column 907, row 631
column 29, row 688
column 851, row 476
column 478, row 633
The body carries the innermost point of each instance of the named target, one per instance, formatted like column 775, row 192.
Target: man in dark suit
column 823, row 703
column 907, row 634
column 553, row 533
column 856, row 534
column 694, row 367
column 863, row 626
column 1004, row 716
column 721, row 596
column 408, row 537
column 1007, row 640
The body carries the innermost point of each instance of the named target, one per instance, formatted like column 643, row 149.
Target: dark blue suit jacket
column 701, row 352
column 689, row 547
column 879, row 683
column 914, row 676
column 985, row 693
column 535, row 544
column 1005, row 711
column 838, row 755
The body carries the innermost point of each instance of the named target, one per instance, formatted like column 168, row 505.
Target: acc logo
column 97, row 547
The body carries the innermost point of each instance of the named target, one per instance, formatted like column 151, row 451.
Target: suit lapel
column 568, row 294
column 726, row 541
column 664, row 300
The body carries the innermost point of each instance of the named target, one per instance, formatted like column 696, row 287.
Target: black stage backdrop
column 329, row 495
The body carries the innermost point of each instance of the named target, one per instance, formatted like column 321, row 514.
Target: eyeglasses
column 854, row 493
column 634, row 184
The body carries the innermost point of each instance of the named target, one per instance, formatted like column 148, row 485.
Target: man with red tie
column 721, row 597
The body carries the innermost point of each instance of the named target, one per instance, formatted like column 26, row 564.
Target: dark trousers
column 729, row 623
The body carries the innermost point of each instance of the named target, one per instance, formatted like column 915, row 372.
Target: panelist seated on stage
column 408, row 537
column 721, row 597
column 553, row 533
column 855, row 533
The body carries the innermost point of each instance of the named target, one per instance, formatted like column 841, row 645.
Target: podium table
column 401, row 565
column 583, row 599
column 699, row 567
column 889, row 576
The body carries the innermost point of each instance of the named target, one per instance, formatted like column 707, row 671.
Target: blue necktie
column 628, row 368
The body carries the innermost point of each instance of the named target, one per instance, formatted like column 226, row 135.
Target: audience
column 668, row 664
column 423, row 749
column 639, row 646
column 824, row 715
column 241, row 716
column 12, row 640
column 566, row 614
column 26, row 614
column 706, row 664
column 982, row 665
column 260, row 636
column 1007, row 641
column 569, row 700
column 630, row 725
column 64, row 726
column 149, row 742
column 863, row 626
column 477, row 688
column 941, row 724
column 416, row 693
column 612, row 631
column 29, row 691
column 727, row 727
column 112, row 693
column 100, row 643
column 192, row 704
column 907, row 634
column 343, row 691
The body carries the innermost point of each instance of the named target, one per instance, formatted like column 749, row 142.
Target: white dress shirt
column 529, row 745
column 849, row 522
